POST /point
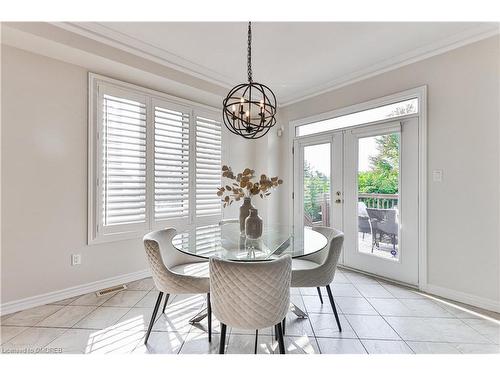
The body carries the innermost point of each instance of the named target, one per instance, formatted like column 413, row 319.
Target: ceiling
column 295, row 59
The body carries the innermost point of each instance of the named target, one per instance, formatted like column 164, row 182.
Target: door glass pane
column 378, row 195
column 317, row 185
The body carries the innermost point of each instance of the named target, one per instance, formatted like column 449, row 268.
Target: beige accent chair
column 175, row 272
column 318, row 269
column 250, row 295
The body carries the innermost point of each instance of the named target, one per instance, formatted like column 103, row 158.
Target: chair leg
column 165, row 304
column 209, row 318
column 222, row 338
column 281, row 341
column 332, row 302
column 319, row 294
column 283, row 324
column 256, row 341
column 153, row 317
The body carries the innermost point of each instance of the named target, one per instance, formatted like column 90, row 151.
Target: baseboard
column 378, row 276
column 43, row 299
column 469, row 299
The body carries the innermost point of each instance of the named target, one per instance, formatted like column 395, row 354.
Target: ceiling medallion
column 250, row 108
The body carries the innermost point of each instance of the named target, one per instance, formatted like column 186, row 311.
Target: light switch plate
column 437, row 175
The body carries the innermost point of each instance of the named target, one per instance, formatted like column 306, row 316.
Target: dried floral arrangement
column 245, row 185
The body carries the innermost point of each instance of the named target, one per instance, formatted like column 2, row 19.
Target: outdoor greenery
column 382, row 178
column 315, row 184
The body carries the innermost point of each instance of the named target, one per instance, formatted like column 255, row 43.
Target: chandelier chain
column 249, row 52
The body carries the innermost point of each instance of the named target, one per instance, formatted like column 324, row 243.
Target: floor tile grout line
column 341, row 312
column 25, row 328
column 38, row 321
column 486, row 337
column 373, row 307
column 190, row 326
column 129, row 309
column 385, row 320
column 312, row 327
column 147, row 292
column 425, row 317
column 45, row 327
column 55, row 338
column 451, row 342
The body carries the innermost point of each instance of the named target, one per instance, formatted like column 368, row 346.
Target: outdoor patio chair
column 364, row 225
column 384, row 223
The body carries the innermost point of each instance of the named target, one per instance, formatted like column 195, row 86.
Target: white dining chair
column 175, row 272
column 318, row 270
column 250, row 295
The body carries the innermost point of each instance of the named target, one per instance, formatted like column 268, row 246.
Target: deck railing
column 372, row 200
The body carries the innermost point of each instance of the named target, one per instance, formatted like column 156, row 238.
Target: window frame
column 96, row 233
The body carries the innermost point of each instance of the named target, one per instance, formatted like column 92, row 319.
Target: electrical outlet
column 76, row 259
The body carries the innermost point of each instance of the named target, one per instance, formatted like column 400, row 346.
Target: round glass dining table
column 224, row 241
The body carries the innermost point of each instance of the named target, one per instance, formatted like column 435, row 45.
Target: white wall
column 44, row 180
column 463, row 141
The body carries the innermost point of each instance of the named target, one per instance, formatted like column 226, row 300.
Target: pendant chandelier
column 249, row 109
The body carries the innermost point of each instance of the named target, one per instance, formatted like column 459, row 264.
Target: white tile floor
column 376, row 317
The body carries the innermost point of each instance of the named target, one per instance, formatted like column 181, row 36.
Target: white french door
column 364, row 181
column 318, row 177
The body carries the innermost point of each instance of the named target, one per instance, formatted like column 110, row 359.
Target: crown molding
column 112, row 38
column 419, row 54
column 45, row 39
column 116, row 39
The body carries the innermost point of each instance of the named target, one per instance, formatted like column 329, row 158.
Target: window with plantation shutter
column 154, row 162
column 208, row 166
column 124, row 161
column 171, row 154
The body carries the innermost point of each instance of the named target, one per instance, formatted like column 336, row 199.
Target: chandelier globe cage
column 249, row 109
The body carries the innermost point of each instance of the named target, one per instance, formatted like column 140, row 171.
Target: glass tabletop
column 224, row 241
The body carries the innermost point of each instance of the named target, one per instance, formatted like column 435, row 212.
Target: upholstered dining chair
column 250, row 295
column 175, row 272
column 318, row 269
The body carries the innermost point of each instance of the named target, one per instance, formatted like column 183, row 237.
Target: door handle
column 338, row 201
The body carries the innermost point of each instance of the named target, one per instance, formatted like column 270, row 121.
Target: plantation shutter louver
column 124, row 161
column 171, row 157
column 154, row 162
column 208, row 166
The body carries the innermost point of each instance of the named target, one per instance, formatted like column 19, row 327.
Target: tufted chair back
column 326, row 259
column 162, row 256
column 250, row 295
column 335, row 242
